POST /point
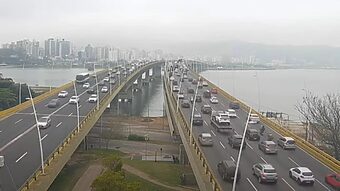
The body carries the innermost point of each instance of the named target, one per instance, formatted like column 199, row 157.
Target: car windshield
column 269, row 170
column 291, row 142
column 307, row 174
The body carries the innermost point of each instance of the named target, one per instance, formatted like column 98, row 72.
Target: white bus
column 82, row 77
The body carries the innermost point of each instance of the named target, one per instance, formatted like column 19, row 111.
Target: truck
column 221, row 121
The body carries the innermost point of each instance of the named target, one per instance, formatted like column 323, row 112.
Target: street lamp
column 39, row 135
column 95, row 73
column 192, row 115
column 180, row 85
column 77, row 105
column 240, row 151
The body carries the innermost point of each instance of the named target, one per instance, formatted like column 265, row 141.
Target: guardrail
column 320, row 155
column 86, row 122
column 184, row 123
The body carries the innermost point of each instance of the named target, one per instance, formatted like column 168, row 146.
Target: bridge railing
column 320, row 155
column 197, row 148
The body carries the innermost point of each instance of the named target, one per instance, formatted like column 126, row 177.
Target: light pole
column 39, row 135
column 180, row 85
column 240, row 151
column 110, row 83
column 192, row 115
column 95, row 73
column 77, row 105
column 19, row 92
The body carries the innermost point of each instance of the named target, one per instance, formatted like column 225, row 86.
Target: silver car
column 286, row 143
column 205, row 139
column 265, row 172
column 268, row 147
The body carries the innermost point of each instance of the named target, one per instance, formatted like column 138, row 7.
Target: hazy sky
column 141, row 23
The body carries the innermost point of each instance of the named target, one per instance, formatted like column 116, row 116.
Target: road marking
column 59, row 124
column 213, row 133
column 222, row 145
column 251, row 184
column 293, row 161
column 249, row 146
column 222, row 104
column 44, row 137
column 46, row 105
column 22, row 156
column 235, row 132
column 322, row 185
column 195, row 109
column 16, row 138
column 205, row 123
column 263, row 160
column 70, row 114
column 18, row 121
column 79, row 106
column 288, row 184
column 232, row 158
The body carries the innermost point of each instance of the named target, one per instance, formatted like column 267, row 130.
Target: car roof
column 252, row 130
column 304, row 169
column 197, row 115
column 92, row 95
column 206, row 134
column 231, row 110
column 288, row 138
column 237, row 136
column 206, row 106
column 267, row 166
column 269, row 142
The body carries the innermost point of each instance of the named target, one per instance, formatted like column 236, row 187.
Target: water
column 276, row 90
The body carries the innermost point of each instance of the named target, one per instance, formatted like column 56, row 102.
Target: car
column 226, row 169
column 235, row 141
column 206, row 109
column 44, row 122
column 205, row 139
column 254, row 118
column 214, row 100
column 106, row 79
column 86, row 85
column 204, row 83
column 268, row 147
column 180, row 95
column 232, row 113
column 2, row 161
column 302, row 175
column 112, row 81
column 74, row 100
column 91, row 91
column 286, row 142
column 104, row 89
column 101, row 83
column 213, row 90
column 172, row 78
column 63, row 94
column 93, row 98
column 198, row 98
column 206, row 94
column 252, row 135
column 175, row 89
column 200, row 85
column 185, row 103
column 175, row 83
column 197, row 119
column 234, row 105
column 191, row 91
column 190, row 79
column 194, row 82
column 53, row 103
column 333, row 180
column 265, row 172
column 185, row 76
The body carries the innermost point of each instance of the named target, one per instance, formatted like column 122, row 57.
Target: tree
column 323, row 113
column 114, row 181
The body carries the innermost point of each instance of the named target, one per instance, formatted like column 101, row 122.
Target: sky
column 158, row 23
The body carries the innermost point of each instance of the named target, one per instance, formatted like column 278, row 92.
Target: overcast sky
column 145, row 23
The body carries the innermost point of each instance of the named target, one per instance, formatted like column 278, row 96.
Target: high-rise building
column 50, row 48
column 64, row 48
column 89, row 53
column 35, row 49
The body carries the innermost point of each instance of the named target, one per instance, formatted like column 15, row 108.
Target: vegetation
column 323, row 114
column 134, row 137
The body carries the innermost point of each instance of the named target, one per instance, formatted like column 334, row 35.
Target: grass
column 145, row 185
column 165, row 172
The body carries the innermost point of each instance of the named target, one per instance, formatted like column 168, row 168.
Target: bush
column 134, row 137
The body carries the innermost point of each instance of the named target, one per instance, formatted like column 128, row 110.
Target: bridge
column 19, row 139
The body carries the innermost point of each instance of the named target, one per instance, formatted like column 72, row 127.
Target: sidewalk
column 85, row 181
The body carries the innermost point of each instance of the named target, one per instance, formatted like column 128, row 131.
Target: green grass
column 165, row 172
column 145, row 185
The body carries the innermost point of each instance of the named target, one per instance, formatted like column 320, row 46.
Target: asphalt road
column 19, row 136
column 221, row 150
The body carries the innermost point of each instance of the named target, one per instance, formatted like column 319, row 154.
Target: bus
column 82, row 77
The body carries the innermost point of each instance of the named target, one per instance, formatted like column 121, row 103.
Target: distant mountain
column 321, row 56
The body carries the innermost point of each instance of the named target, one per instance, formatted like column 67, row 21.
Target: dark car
column 197, row 120
column 194, row 82
column 226, row 169
column 252, row 135
column 53, row 103
column 191, row 91
column 189, row 79
column 206, row 94
column 198, row 98
column 234, row 105
column 174, row 82
column 101, row 83
column 235, row 141
column 206, row 109
column 91, row 91
column 185, row 103
column 213, row 90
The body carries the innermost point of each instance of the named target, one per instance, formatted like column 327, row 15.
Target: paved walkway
column 85, row 181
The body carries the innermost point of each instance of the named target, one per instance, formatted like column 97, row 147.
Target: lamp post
column 39, row 135
column 95, row 73
column 180, row 85
column 240, row 152
column 77, row 105
column 192, row 115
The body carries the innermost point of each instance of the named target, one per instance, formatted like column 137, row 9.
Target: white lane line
column 293, row 161
column 288, row 184
column 213, row 133
column 222, row 145
column 222, row 104
column 322, row 185
column 235, row 132
column 251, row 184
column 205, row 123
column 263, row 160
column 16, row 138
column 195, row 109
column 59, row 124
column 18, row 121
column 44, row 137
column 22, row 156
column 79, row 106
column 232, row 158
column 70, row 114
column 249, row 146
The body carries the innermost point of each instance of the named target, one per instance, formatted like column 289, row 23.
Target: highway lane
column 251, row 155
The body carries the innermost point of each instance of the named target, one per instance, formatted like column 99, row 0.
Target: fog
column 159, row 24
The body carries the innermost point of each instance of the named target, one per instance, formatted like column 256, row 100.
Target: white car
column 302, row 175
column 286, row 143
column 93, row 98
column 106, row 79
column 175, row 89
column 232, row 113
column 180, row 95
column 74, row 100
column 172, row 78
column 63, row 94
column 104, row 89
column 254, row 118
column 44, row 122
column 86, row 85
column 214, row 100
column 204, row 83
